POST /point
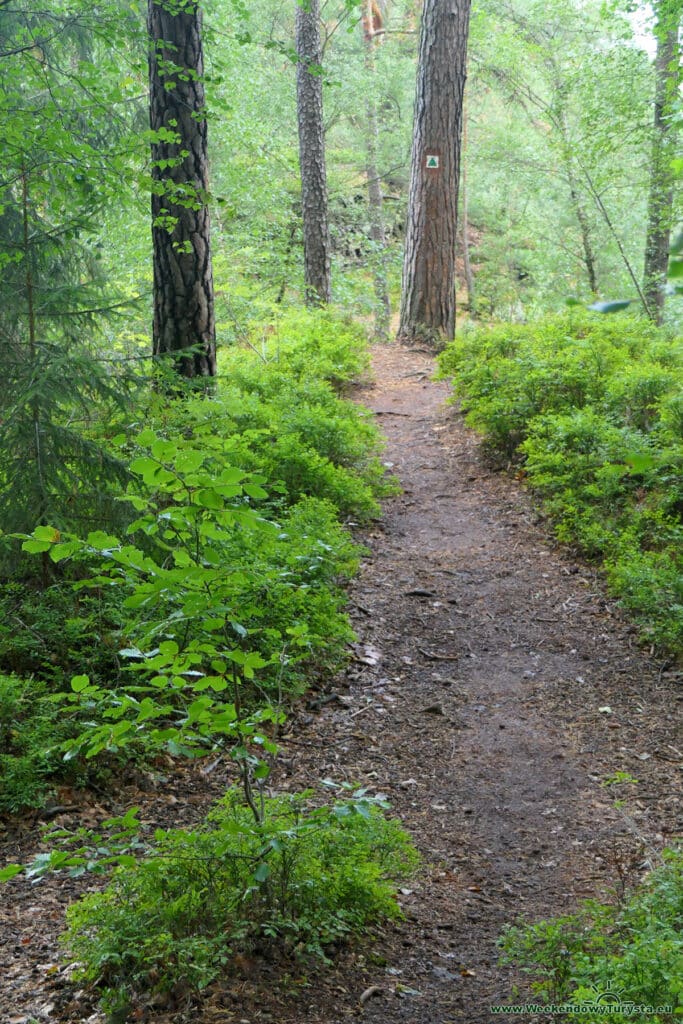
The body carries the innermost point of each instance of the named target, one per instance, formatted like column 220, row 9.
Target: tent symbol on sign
column 432, row 162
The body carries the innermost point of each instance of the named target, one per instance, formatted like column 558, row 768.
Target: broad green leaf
column 120, row 729
column 229, row 490
column 102, row 541
column 47, row 533
column 181, row 557
column 34, row 547
column 225, row 721
column 262, row 872
column 207, row 497
column 142, row 465
column 168, row 648
column 163, row 450
column 61, row 551
column 231, row 475
column 189, row 461
column 10, row 871
column 255, row 491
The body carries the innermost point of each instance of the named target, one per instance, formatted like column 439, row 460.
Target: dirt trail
column 481, row 719
column 474, row 701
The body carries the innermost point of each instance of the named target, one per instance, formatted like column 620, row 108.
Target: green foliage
column 54, row 471
column 31, row 730
column 224, row 596
column 63, row 158
column 305, row 344
column 210, row 582
column 634, row 952
column 558, row 145
column 592, row 405
column 302, row 439
column 277, row 412
column 53, row 633
column 276, row 419
column 302, row 879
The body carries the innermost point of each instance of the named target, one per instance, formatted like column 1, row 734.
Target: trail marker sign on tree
column 428, row 286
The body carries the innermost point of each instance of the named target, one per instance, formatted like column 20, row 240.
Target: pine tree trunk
column 184, row 322
column 660, row 201
column 375, row 198
column 309, row 97
column 428, row 293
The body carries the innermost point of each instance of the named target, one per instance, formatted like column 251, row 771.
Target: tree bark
column 428, row 291
column 375, row 198
column 309, row 97
column 184, row 320
column 660, row 201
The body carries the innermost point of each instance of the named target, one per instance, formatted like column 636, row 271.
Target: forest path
column 476, row 701
column 484, row 658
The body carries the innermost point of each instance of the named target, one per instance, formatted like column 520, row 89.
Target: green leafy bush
column 299, row 344
column 224, row 595
column 276, row 413
column 293, row 884
column 633, row 952
column 214, row 593
column 54, row 632
column 276, row 420
column 302, row 445
column 31, row 729
column 591, row 404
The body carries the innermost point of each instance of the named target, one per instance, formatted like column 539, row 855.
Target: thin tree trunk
column 428, row 292
column 40, row 494
column 184, row 321
column 589, row 260
column 309, row 96
column 660, row 201
column 584, row 230
column 375, row 199
column 620, row 245
column 287, row 260
column 32, row 349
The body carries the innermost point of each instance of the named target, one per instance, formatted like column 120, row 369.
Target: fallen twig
column 433, row 656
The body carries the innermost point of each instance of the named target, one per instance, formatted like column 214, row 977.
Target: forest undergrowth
column 192, row 622
column 588, row 410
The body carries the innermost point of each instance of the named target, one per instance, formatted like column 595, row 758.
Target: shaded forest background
column 558, row 156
